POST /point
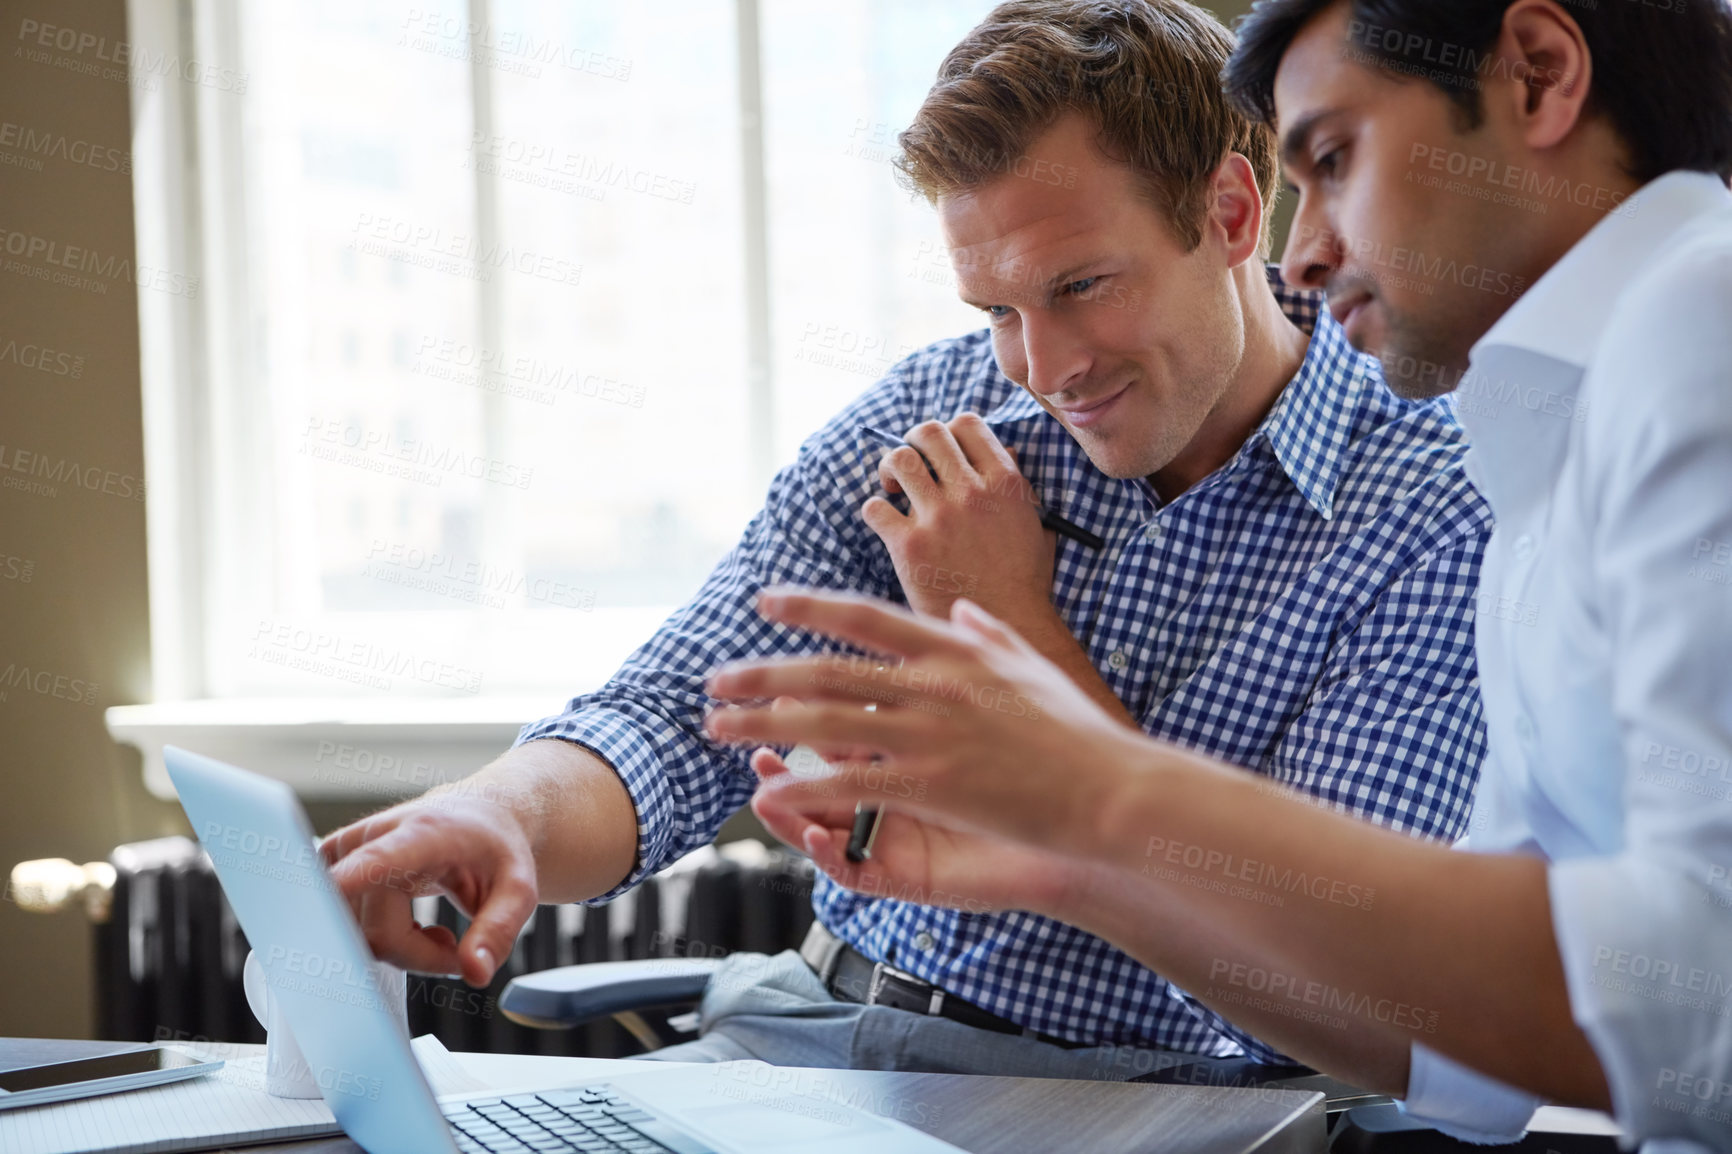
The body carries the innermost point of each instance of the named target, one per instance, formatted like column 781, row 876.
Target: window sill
column 332, row 749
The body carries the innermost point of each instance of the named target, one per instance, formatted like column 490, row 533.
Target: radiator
column 167, row 951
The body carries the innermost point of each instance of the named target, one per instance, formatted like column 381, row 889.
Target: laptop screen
column 314, row 957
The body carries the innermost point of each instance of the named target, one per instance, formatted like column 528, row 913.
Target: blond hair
column 1147, row 73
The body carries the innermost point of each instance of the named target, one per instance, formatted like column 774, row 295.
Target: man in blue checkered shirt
column 1285, row 572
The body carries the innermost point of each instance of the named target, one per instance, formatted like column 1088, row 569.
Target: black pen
column 805, row 761
column 864, row 833
column 866, row 818
column 1048, row 518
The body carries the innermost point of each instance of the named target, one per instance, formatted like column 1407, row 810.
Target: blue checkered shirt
column 1305, row 611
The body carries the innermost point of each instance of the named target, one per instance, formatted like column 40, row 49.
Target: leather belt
column 853, row 977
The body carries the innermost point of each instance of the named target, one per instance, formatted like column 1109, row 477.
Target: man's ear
column 1236, row 208
column 1541, row 70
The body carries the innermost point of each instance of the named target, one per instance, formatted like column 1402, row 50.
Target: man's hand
column 971, row 724
column 973, row 531
column 913, row 859
column 547, row 821
column 1077, row 786
column 450, row 842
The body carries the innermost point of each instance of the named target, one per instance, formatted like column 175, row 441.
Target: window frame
column 204, row 538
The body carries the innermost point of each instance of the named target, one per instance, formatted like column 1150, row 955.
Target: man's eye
column 1077, row 288
column 997, row 312
column 1329, row 164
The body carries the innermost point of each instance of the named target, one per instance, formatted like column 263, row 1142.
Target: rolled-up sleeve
column 614, row 736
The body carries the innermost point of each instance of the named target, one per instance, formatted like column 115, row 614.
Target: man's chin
column 1419, row 378
column 1121, row 466
column 1123, row 455
column 1416, row 370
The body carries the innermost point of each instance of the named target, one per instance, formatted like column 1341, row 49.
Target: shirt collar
column 1522, row 391
column 1563, row 314
column 1311, row 424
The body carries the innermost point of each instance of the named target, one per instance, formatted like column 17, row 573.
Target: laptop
column 317, row 963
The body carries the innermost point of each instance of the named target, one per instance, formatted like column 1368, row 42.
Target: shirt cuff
column 612, row 736
column 1463, row 1104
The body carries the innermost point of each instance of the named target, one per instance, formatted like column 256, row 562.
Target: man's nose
column 1056, row 357
column 1313, row 252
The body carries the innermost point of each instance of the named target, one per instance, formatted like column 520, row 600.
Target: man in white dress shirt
column 1526, row 203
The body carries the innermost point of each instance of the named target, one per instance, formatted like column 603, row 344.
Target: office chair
column 741, row 897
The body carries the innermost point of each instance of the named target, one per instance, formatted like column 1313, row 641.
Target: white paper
column 229, row 1107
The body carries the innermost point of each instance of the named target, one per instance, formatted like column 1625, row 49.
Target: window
column 504, row 314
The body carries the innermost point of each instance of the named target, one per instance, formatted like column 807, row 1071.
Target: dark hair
column 1662, row 75
column 1146, row 72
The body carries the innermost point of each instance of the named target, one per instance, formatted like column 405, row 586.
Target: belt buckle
column 906, row 992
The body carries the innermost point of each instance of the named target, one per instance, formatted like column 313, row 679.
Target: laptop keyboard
column 591, row 1120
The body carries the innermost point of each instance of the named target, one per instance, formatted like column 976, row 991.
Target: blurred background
column 374, row 376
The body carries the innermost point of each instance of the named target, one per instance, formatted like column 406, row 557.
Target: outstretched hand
column 444, row 842
column 972, row 728
column 914, row 859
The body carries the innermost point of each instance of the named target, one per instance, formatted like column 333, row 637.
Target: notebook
column 227, row 1108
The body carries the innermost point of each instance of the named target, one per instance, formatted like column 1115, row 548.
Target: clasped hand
column 972, row 531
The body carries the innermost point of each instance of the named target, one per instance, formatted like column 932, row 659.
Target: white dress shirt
column 1600, row 412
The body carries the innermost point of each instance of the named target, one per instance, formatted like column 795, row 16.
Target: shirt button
column 923, row 940
column 1117, row 659
column 1524, row 728
column 1524, row 548
column 1151, row 532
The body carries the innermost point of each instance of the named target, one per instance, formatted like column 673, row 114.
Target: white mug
column 287, row 1074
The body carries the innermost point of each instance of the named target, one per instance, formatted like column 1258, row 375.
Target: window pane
column 494, row 363
column 453, row 505
column 628, row 154
column 860, row 275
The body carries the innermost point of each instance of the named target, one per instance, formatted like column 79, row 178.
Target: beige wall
column 78, row 621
